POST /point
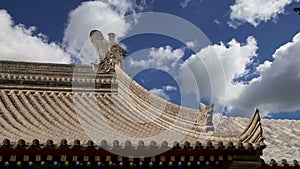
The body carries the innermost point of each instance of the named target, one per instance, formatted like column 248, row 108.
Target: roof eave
column 253, row 133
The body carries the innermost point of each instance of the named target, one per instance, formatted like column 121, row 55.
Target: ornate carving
column 113, row 57
column 110, row 53
column 111, row 38
column 101, row 44
column 46, row 76
column 207, row 113
column 204, row 120
column 117, row 53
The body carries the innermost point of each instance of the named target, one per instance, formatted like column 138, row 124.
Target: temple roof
column 281, row 136
column 61, row 101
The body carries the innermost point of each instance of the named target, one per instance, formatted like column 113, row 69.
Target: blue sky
column 256, row 45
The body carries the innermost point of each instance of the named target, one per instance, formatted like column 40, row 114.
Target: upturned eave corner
column 253, row 133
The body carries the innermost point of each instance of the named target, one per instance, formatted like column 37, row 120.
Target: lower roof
column 281, row 136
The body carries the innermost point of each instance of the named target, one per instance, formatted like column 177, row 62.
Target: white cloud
column 144, row 5
column 234, row 57
column 120, row 6
column 190, row 44
column 170, row 88
column 107, row 16
column 262, row 67
column 168, row 60
column 194, row 76
column 277, row 88
column 19, row 43
column 164, row 58
column 256, row 11
column 162, row 92
column 184, row 3
column 216, row 21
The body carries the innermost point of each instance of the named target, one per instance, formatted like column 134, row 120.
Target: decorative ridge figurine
column 110, row 52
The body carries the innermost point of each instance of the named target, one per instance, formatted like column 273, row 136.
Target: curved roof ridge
column 126, row 77
column 253, row 133
column 192, row 119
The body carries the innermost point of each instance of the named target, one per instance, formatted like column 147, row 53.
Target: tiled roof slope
column 55, row 101
column 282, row 137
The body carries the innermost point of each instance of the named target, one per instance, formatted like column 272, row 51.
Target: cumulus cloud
column 107, row 16
column 19, row 43
column 163, row 58
column 163, row 92
column 277, row 88
column 22, row 43
column 170, row 88
column 213, row 82
column 168, row 60
column 200, row 75
column 234, row 56
column 256, row 11
column 190, row 44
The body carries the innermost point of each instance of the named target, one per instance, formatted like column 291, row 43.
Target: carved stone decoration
column 207, row 113
column 101, row 44
column 113, row 52
column 117, row 53
column 207, row 117
column 111, row 39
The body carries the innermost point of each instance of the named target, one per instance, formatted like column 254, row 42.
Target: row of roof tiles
column 128, row 144
column 283, row 163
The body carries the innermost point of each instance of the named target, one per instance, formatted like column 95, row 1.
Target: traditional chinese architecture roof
column 54, row 104
column 47, row 101
column 96, row 116
column 281, row 138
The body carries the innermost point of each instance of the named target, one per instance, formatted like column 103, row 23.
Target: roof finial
column 112, row 40
column 206, row 117
column 109, row 52
column 100, row 43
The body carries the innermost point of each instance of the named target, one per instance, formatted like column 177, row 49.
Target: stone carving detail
column 101, row 44
column 112, row 39
column 207, row 113
column 205, row 119
column 109, row 52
